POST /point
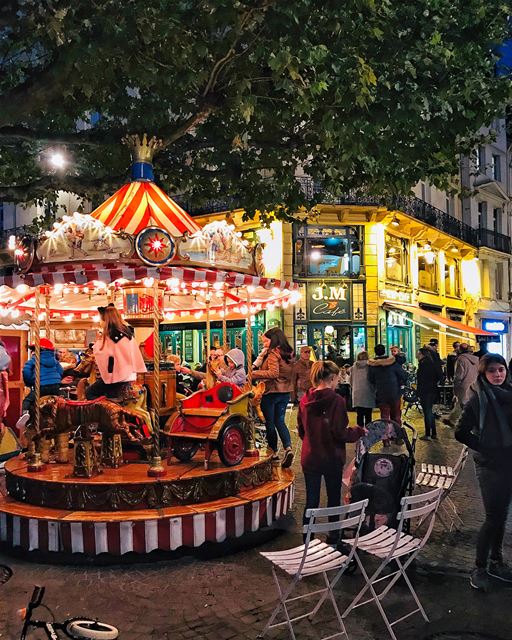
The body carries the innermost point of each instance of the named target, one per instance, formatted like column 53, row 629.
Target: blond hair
column 363, row 355
column 323, row 370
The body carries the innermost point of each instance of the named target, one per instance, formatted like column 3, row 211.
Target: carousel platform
column 122, row 512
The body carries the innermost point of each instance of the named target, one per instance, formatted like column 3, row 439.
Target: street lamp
column 57, row 160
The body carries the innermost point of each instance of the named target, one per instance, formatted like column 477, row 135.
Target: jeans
column 332, row 476
column 46, row 390
column 100, row 388
column 391, row 411
column 496, row 489
column 427, row 405
column 274, row 406
column 364, row 416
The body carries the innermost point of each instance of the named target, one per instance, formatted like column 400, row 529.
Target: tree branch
column 38, row 90
column 40, row 187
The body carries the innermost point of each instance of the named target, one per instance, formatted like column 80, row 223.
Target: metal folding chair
column 313, row 558
column 444, row 477
column 393, row 545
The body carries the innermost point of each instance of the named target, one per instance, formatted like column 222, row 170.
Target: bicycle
column 76, row 628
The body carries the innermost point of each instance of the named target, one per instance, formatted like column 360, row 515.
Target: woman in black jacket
column 486, row 427
column 427, row 381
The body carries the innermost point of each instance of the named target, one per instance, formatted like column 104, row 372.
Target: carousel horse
column 136, row 400
column 255, row 401
column 60, row 417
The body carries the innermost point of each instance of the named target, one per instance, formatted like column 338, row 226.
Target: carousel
column 151, row 471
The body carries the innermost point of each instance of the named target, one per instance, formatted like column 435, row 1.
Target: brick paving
column 231, row 597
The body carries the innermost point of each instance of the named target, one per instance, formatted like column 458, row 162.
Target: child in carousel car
column 235, row 372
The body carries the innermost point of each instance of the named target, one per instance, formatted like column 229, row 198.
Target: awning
column 438, row 320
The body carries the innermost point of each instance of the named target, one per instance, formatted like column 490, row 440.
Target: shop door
column 401, row 337
column 340, row 343
column 16, row 345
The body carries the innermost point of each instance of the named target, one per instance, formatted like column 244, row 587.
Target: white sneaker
column 22, row 422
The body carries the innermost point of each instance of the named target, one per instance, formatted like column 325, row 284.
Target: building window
column 396, row 259
column 328, row 251
column 496, row 167
column 427, row 268
column 498, row 280
column 482, row 215
column 496, row 220
column 480, row 160
column 452, row 277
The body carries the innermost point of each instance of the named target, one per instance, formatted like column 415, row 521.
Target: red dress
column 4, row 394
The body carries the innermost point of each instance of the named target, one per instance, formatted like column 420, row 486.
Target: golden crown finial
column 143, row 149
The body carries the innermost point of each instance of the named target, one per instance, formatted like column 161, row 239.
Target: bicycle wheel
column 92, row 629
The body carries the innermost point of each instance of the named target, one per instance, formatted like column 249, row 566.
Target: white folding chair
column 312, row 558
column 393, row 545
column 444, row 477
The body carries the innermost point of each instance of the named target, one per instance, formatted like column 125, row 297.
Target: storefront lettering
column 335, row 293
column 394, row 294
column 328, row 309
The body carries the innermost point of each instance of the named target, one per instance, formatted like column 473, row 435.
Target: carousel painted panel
column 218, row 245
column 81, row 237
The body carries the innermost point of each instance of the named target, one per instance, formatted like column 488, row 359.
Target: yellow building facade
column 368, row 274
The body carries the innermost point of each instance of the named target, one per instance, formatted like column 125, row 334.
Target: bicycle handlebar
column 37, row 596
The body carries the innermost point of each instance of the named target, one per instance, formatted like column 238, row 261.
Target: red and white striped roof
column 138, row 205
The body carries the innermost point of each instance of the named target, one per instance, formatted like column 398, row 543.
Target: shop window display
column 452, row 277
column 427, row 268
column 327, row 251
column 396, row 259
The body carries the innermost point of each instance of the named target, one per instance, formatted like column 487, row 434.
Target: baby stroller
column 384, row 478
column 411, row 399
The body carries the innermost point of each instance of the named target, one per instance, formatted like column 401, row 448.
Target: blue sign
column 495, row 326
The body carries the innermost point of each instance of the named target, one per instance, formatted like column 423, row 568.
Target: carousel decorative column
column 156, row 468
column 34, row 457
column 224, row 324
column 251, row 444
column 47, row 299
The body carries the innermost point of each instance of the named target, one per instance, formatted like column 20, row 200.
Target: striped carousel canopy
column 138, row 205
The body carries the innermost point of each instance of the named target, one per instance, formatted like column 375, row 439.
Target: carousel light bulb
column 244, row 309
column 22, row 288
column 251, row 288
column 15, row 313
column 12, row 243
column 56, row 225
column 198, row 314
column 148, row 282
column 285, row 304
column 222, row 313
column 203, row 285
column 65, row 218
column 58, row 287
column 276, row 291
column 41, row 316
column 19, row 253
column 69, row 317
column 65, row 290
column 86, row 289
column 96, row 318
column 76, row 289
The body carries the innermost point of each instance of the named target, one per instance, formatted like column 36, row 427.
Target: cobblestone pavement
column 231, row 597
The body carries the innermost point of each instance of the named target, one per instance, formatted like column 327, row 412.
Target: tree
column 364, row 94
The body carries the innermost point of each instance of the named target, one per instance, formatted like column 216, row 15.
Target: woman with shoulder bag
column 486, row 427
column 322, row 423
column 275, row 368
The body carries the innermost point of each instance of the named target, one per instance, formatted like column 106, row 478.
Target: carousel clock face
column 155, row 246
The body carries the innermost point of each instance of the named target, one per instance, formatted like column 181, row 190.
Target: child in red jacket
column 323, row 428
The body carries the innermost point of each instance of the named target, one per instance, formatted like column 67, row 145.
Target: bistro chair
column 394, row 546
column 313, row 558
column 444, row 477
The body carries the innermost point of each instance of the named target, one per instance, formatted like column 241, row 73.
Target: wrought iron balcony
column 494, row 240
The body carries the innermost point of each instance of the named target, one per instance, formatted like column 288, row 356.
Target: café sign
column 396, row 295
column 328, row 302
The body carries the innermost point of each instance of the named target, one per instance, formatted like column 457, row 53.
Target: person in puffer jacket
column 322, row 424
column 50, row 373
column 235, row 371
column 117, row 356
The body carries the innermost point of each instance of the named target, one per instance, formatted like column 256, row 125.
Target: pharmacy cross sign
column 328, row 302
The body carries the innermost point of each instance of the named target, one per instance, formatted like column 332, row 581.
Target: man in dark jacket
column 427, row 381
column 387, row 376
column 451, row 359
